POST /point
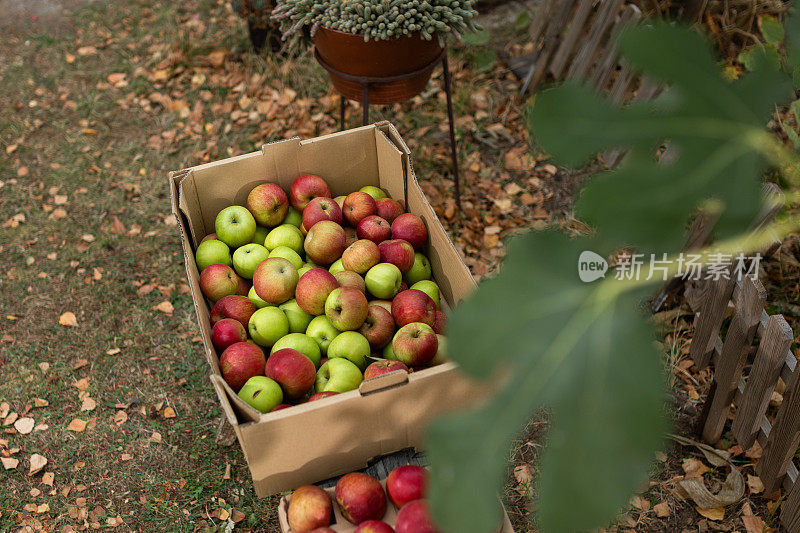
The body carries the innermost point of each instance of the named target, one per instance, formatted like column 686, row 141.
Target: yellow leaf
column 169, row 412
column 223, row 513
column 87, row 50
column 82, row 384
column 68, row 319
column 37, row 463
column 661, row 509
column 38, row 402
column 116, row 77
column 9, row 463
column 48, row 478
column 716, row 513
column 69, row 58
column 77, row 425
column 88, row 404
column 43, row 508
column 165, row 307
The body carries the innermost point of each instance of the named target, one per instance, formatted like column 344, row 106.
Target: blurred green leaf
column 771, row 29
column 478, row 38
column 523, row 21
column 484, row 59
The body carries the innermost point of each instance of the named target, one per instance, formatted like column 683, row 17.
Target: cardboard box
column 320, row 440
column 341, row 525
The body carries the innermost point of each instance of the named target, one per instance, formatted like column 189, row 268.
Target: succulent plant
column 379, row 19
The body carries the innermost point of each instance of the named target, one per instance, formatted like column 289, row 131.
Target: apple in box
column 298, row 319
column 309, row 508
column 378, row 327
column 212, row 251
column 389, row 209
column 302, row 343
column 226, row 332
column 320, row 209
column 325, row 242
column 406, row 484
column 322, row 331
column 267, row 326
column 441, row 322
column 374, row 526
column 411, row 228
column 348, row 278
column 268, row 204
column 360, row 497
column 233, row 306
column 338, row 375
column 415, row 517
column 375, row 192
column 374, row 228
column 361, row 256
column 358, row 206
column 415, row 344
column 346, row 308
column 305, row 188
column 384, row 280
column 350, row 345
column 240, row 362
column 218, row 281
column 284, row 235
column 275, row 280
column 246, row 258
column 322, row 395
column 313, row 289
column 379, row 368
column 413, row 305
column 262, row 394
column 288, row 254
column 235, row 226
column 420, row 270
column 293, row 371
column 398, row 252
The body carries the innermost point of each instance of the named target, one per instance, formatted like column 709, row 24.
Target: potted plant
column 379, row 39
column 259, row 24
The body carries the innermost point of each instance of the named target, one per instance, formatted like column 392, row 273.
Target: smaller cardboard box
column 341, row 525
column 324, row 439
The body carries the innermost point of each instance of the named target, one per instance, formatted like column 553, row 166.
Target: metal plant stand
column 367, row 82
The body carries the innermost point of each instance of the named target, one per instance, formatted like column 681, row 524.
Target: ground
column 102, row 366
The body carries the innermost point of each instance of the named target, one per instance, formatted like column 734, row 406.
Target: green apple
column 388, row 353
column 421, row 269
column 293, row 217
column 253, row 297
column 351, row 345
column 441, row 352
column 303, row 269
column 298, row 319
column 376, row 192
column 288, row 254
column 246, row 258
column 261, row 393
column 338, row 375
column 336, row 267
column 302, row 343
column 260, row 235
column 383, row 281
column 430, row 288
column 321, row 330
column 285, row 235
column 267, row 325
column 235, row 226
column 211, row 252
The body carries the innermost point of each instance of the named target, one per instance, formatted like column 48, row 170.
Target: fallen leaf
column 155, row 438
column 37, row 463
column 9, row 463
column 68, row 319
column 217, row 58
column 44, row 367
column 38, row 402
column 77, row 425
column 169, row 412
column 717, row 513
column 87, row 50
column 48, row 478
column 117, row 226
column 523, row 474
column 165, row 307
column 223, row 514
column 694, row 467
column 120, row 418
column 113, row 351
column 754, row 484
column 753, row 524
column 24, row 425
column 661, row 509
column 88, row 404
column 80, row 363
column 81, row 384
column 227, row 474
column 126, row 457
column 115, row 77
column 754, row 452
column 237, row 516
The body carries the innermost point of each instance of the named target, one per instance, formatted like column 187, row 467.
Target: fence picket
column 714, row 297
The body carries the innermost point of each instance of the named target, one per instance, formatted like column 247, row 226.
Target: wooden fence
column 750, row 389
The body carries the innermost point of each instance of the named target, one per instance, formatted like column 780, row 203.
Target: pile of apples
column 362, row 500
column 314, row 294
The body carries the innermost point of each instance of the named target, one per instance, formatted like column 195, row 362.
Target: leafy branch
column 583, row 351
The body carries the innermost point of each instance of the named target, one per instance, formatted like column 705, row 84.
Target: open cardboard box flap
column 319, row 440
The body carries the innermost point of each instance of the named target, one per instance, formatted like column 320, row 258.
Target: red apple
column 322, row 395
column 411, row 228
column 398, row 252
column 218, row 281
column 275, row 280
column 346, row 308
column 322, row 530
column 281, row 407
column 348, row 278
column 313, row 289
column 379, row 368
column 309, row 508
column 244, row 287
column 306, row 188
column 240, row 362
column 386, row 304
column 415, row 344
column 234, row 306
column 226, row 332
column 293, row 371
column 413, row 305
column 378, row 327
column 350, row 236
column 361, row 256
column 440, row 323
column 210, row 237
column 389, row 209
column 358, row 206
column 325, row 242
column 360, row 497
column 415, row 517
column 374, row 228
column 406, row 484
column 320, row 209
column 268, row 204
column 374, row 526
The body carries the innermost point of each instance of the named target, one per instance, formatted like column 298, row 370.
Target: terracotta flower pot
column 350, row 54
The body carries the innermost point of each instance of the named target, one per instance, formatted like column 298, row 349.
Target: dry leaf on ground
column 165, row 307
column 24, row 425
column 77, row 425
column 716, row 513
column 37, row 463
column 9, row 463
column 68, row 319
